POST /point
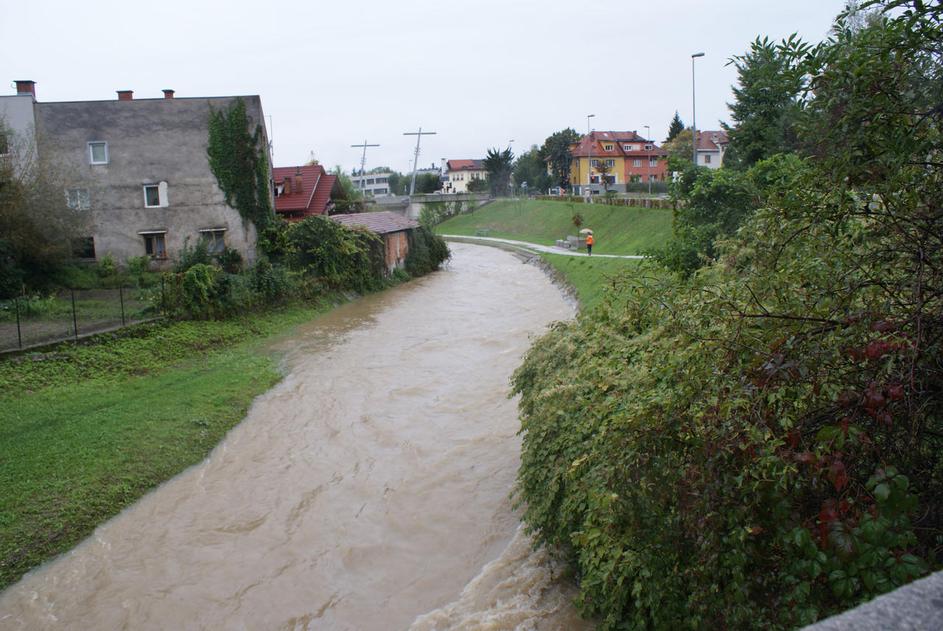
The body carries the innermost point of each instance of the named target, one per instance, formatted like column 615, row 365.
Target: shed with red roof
column 392, row 227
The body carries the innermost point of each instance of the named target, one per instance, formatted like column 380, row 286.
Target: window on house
column 156, row 194
column 215, row 239
column 637, row 162
column 610, row 163
column 607, row 147
column 652, row 178
column 155, row 244
column 83, row 247
column 707, row 159
column 653, row 162
column 611, row 179
column 4, row 144
column 627, row 147
column 98, row 152
column 594, row 179
column 594, row 163
column 636, row 179
column 78, row 199
column 648, row 147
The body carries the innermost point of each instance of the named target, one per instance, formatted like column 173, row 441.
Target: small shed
column 392, row 227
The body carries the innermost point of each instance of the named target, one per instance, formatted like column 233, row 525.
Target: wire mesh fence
column 27, row 321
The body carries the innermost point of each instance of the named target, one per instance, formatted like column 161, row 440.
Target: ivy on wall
column 239, row 161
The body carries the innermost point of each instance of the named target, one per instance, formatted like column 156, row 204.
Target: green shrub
column 337, row 256
column 230, row 260
column 191, row 255
column 272, row 283
column 427, row 252
column 199, row 291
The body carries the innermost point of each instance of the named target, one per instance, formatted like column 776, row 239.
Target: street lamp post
column 588, row 145
column 648, row 157
column 693, row 111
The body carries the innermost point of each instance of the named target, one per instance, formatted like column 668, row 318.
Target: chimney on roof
column 296, row 182
column 25, row 86
column 125, row 95
column 168, row 94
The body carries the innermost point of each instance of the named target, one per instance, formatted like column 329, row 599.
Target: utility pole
column 693, row 110
column 363, row 162
column 418, row 134
column 589, row 142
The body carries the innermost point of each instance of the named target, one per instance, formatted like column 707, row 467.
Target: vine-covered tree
column 675, row 127
column 238, row 158
column 556, row 153
column 499, row 164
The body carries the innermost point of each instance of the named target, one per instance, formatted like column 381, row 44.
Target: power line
column 418, row 134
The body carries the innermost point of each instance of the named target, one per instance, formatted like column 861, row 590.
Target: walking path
column 536, row 247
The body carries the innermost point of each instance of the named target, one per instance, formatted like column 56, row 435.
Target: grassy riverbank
column 618, row 229
column 85, row 430
column 591, row 277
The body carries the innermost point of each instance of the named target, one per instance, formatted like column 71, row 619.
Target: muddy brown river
column 368, row 490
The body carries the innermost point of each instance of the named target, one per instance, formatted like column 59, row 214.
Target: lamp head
column 697, row 55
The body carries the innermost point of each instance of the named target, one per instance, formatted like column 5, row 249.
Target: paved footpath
column 536, row 247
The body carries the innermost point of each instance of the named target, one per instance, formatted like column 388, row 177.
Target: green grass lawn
column 591, row 276
column 617, row 229
column 85, row 430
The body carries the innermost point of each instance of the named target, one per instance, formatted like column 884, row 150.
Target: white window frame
column 653, row 162
column 594, row 162
column 649, row 147
column 162, row 201
column 91, row 152
column 607, row 147
column 75, row 199
column 707, row 158
column 627, row 147
column 636, row 162
column 610, row 163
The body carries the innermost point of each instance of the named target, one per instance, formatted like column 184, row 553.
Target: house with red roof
column 711, row 146
column 620, row 156
column 393, row 227
column 302, row 191
column 458, row 174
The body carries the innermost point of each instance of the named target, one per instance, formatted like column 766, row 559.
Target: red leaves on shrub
column 838, row 475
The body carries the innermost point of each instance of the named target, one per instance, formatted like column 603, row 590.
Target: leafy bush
column 759, row 443
column 339, row 257
column 272, row 283
column 230, row 260
column 427, row 252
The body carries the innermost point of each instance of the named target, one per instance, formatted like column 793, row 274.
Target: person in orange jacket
column 589, row 244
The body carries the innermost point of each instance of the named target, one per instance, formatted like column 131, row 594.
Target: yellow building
column 620, row 156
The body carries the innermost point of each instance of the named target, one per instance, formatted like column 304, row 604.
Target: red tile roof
column 594, row 145
column 708, row 140
column 465, row 165
column 382, row 222
column 306, row 190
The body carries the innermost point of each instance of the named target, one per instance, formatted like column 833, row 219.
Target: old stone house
column 139, row 168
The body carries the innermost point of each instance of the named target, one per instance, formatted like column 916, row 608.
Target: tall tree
column 556, row 153
column 767, row 101
column 675, row 127
column 499, row 165
column 531, row 169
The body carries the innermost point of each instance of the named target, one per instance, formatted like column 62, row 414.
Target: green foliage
column 767, row 101
column 230, row 260
column 760, row 444
column 427, row 183
column 556, row 153
column 675, row 127
column 427, row 252
column 346, row 197
column 238, row 158
column 478, row 185
column 335, row 256
column 499, row 165
column 532, row 170
column 576, row 220
column 191, row 255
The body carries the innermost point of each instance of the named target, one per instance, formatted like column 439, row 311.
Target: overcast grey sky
column 332, row 74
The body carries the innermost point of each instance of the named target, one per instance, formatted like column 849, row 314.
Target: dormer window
column 607, row 147
column 627, row 147
column 648, row 147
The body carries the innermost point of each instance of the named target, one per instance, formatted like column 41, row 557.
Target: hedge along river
column 368, row 490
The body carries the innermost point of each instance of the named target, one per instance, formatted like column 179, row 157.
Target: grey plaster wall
column 149, row 141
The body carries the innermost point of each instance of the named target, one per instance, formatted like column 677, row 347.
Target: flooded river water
column 368, row 490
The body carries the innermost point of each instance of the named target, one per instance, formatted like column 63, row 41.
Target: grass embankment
column 618, row 229
column 85, row 430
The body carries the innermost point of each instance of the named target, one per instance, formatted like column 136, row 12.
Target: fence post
column 75, row 324
column 121, row 297
column 19, row 335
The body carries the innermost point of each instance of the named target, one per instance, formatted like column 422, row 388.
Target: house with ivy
column 156, row 175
